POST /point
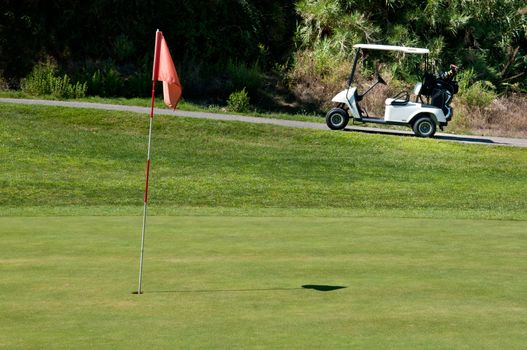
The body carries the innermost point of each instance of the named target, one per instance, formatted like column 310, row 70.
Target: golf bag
column 441, row 89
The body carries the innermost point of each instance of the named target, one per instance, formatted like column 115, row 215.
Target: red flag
column 164, row 70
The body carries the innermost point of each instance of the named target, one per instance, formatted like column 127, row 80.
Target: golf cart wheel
column 337, row 119
column 424, row 127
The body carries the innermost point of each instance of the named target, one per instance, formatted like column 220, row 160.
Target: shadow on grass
column 322, row 288
column 465, row 139
column 457, row 138
column 317, row 287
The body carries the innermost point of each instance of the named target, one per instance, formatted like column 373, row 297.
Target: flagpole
column 145, row 202
column 139, row 288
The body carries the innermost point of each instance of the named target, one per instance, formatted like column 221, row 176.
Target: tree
column 487, row 35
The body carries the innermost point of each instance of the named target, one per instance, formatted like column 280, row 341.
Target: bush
column 44, row 80
column 105, row 80
column 478, row 109
column 3, row 84
column 247, row 77
column 479, row 94
column 108, row 79
column 238, row 101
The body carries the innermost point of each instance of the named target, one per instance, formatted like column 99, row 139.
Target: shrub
column 478, row 95
column 4, row 86
column 39, row 81
column 247, row 77
column 475, row 94
column 44, row 80
column 105, row 81
column 238, row 101
column 138, row 84
column 62, row 87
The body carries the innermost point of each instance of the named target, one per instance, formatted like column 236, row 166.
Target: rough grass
column 505, row 116
column 70, row 158
column 232, row 282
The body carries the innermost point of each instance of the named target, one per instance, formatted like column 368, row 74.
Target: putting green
column 236, row 282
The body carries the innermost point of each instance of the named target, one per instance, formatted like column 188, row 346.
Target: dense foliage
column 222, row 46
column 107, row 43
column 488, row 35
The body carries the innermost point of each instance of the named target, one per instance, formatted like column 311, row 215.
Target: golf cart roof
column 405, row 49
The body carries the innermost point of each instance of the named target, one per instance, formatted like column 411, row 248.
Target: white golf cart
column 423, row 118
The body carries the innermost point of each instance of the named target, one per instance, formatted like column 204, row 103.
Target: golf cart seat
column 417, row 91
column 403, row 97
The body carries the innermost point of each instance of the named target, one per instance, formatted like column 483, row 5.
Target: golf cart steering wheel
column 380, row 79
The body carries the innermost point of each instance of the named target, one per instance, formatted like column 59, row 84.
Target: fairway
column 232, row 282
column 404, row 243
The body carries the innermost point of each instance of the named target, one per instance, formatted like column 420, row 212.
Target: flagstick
column 155, row 72
column 139, row 288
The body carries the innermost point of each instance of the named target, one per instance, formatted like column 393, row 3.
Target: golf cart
column 423, row 117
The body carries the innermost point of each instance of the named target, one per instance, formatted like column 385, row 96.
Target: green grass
column 242, row 216
column 234, row 282
column 83, row 160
